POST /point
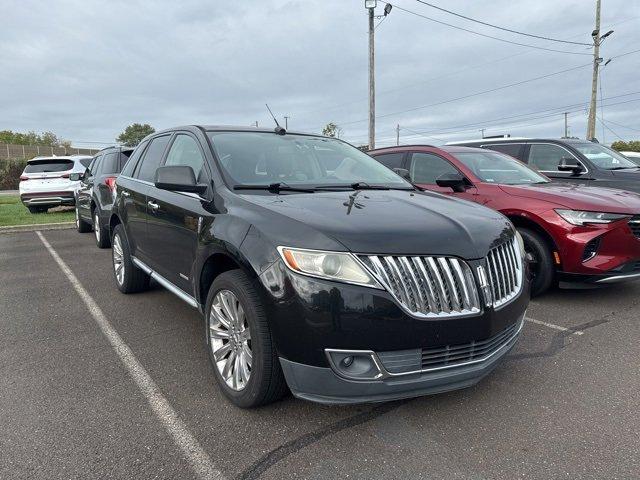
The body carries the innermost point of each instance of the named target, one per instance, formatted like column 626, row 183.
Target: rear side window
column 85, row 162
column 110, row 164
column 50, row 165
column 130, row 166
column 94, row 166
column 152, row 158
column 427, row 168
column 547, row 157
column 185, row 151
column 512, row 149
column 391, row 160
column 124, row 157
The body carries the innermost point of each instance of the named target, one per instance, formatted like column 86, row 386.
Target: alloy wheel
column 118, row 259
column 230, row 339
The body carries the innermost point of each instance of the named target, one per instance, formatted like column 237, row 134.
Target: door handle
column 125, row 193
column 153, row 206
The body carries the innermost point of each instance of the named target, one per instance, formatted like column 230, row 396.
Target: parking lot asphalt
column 564, row 404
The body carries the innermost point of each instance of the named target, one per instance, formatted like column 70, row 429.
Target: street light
column 370, row 3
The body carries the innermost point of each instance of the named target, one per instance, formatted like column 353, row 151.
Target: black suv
column 316, row 267
column 569, row 160
column 95, row 195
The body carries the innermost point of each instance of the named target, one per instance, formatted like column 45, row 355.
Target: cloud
column 87, row 69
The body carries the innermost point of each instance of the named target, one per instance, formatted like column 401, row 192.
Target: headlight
column 330, row 265
column 578, row 217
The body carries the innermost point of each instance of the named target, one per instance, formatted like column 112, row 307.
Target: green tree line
column 44, row 139
column 630, row 146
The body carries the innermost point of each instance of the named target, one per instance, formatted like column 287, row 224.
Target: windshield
column 493, row 167
column 603, row 157
column 263, row 158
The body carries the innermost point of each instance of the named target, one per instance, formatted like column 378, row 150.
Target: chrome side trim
column 620, row 278
column 165, row 283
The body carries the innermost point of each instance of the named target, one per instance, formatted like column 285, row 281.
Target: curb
column 34, row 227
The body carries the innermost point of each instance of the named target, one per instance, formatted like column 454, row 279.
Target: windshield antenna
column 279, row 130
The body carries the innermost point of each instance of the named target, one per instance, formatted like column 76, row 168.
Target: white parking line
column 555, row 327
column 200, row 462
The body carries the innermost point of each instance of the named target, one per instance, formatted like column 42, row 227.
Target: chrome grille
column 427, row 286
column 634, row 224
column 504, row 267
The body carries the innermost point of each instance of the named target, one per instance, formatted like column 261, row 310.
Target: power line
column 474, row 94
column 485, row 35
column 503, row 28
column 608, row 128
column 473, row 126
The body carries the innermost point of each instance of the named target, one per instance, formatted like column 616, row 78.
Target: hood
column 380, row 222
column 578, row 197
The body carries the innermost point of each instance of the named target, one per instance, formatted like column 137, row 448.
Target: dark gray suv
column 569, row 160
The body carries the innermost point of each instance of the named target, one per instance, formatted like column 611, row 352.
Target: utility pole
column 286, row 122
column 372, row 79
column 482, row 132
column 566, row 125
column 591, row 125
column 397, row 135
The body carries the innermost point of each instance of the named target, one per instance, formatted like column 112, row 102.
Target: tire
column 265, row 383
column 542, row 267
column 101, row 233
column 128, row 277
column 81, row 225
column 37, row 209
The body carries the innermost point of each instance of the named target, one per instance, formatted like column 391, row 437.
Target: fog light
column 591, row 249
column 354, row 364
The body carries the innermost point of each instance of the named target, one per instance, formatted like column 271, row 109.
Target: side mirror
column 404, row 173
column 178, row 178
column 453, row 180
column 570, row 165
column 74, row 177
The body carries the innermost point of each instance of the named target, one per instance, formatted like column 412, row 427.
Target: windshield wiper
column 359, row 186
column 624, row 168
column 274, row 187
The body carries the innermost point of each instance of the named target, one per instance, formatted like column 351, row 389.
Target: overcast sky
column 86, row 69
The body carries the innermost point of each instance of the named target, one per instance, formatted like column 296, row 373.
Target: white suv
column 51, row 181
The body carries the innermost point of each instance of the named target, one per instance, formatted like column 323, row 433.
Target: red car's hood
column 576, row 197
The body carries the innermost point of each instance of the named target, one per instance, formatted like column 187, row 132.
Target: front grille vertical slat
column 414, row 284
column 402, row 290
column 514, row 265
column 431, row 294
column 466, row 297
column 453, row 290
column 444, row 301
column 507, row 276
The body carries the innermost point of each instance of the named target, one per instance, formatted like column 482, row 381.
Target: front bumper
column 310, row 317
column 627, row 272
column 323, row 385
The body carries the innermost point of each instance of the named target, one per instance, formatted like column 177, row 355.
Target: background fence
column 25, row 152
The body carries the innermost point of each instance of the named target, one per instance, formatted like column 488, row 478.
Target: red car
column 574, row 235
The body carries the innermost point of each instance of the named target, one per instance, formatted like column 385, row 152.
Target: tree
column 630, row 146
column 134, row 133
column 332, row 130
column 47, row 139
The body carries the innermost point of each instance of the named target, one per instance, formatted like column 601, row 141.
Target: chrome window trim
column 177, row 291
column 586, row 170
column 151, row 184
